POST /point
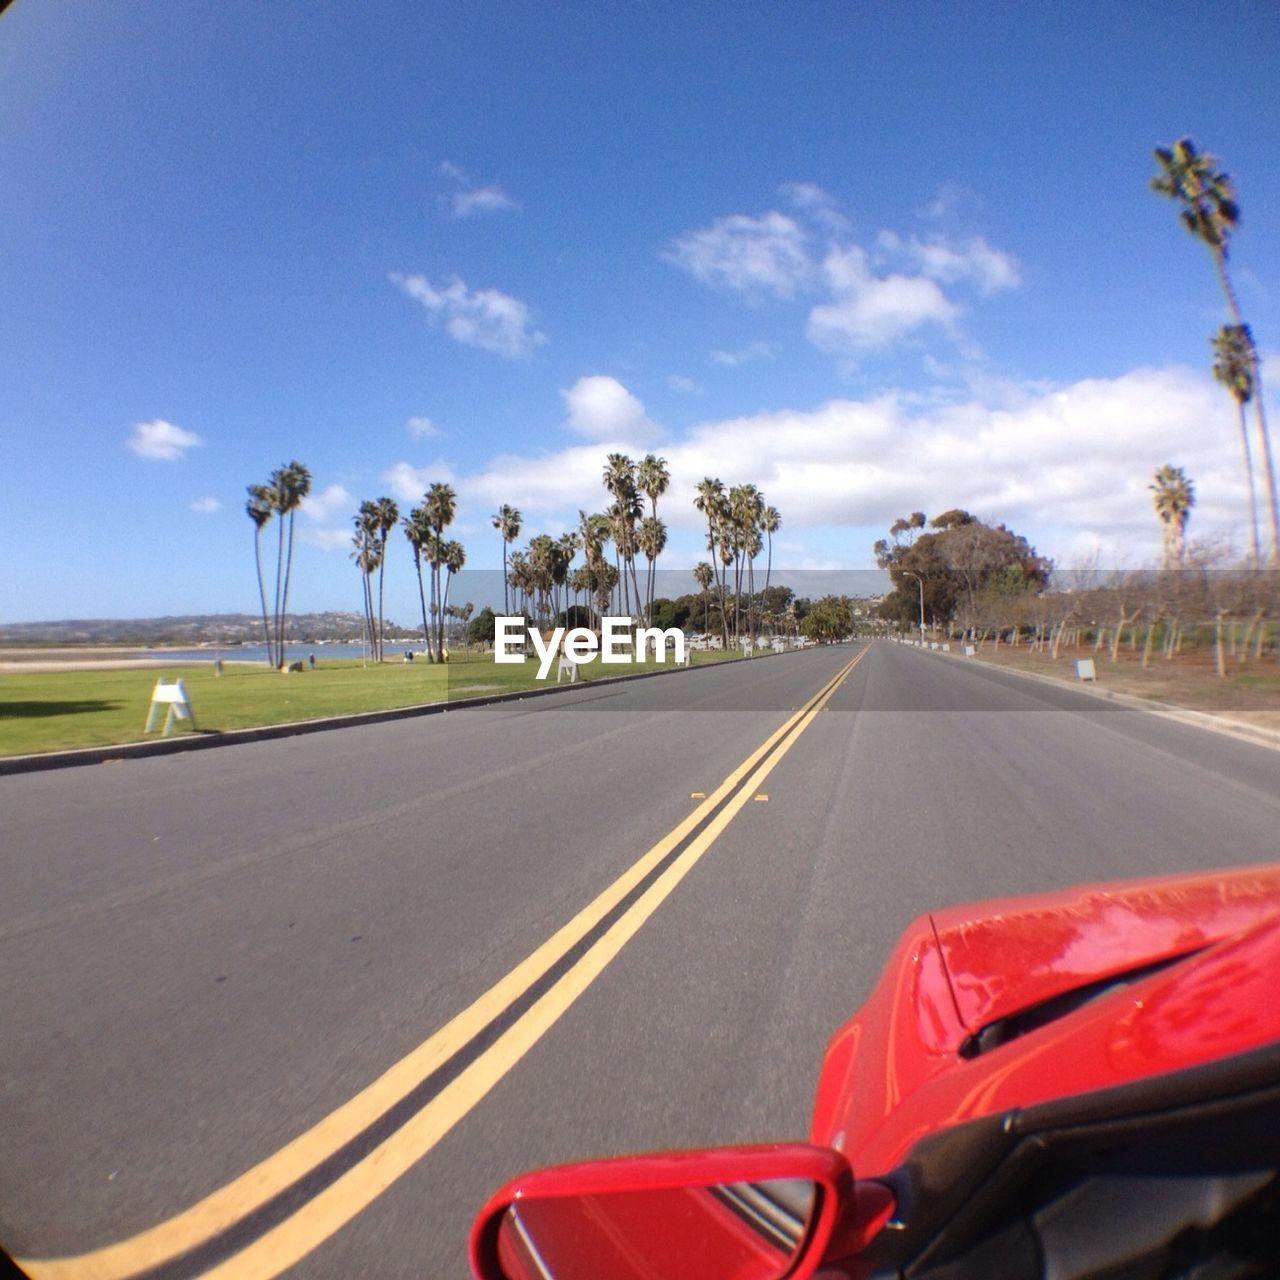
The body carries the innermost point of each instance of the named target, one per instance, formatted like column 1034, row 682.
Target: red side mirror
column 737, row 1213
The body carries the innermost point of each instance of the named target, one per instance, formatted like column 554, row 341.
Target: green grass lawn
column 52, row 711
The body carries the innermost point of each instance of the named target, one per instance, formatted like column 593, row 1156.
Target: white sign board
column 969, row 651
column 1086, row 670
column 174, row 697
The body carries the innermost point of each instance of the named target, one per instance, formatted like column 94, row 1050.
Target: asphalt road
column 203, row 956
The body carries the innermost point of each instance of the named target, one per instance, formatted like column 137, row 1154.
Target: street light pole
column 920, row 583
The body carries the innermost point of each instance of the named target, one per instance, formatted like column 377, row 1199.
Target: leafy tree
column 483, row 628
column 666, row 613
column 1210, row 213
column 830, row 619
column 953, row 565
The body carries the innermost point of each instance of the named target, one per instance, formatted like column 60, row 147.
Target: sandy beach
column 103, row 659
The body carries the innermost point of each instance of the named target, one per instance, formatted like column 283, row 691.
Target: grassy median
column 58, row 710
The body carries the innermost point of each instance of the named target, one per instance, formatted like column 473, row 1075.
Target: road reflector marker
column 761, row 797
column 697, row 795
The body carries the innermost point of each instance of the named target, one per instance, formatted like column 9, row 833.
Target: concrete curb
column 200, row 741
column 1170, row 711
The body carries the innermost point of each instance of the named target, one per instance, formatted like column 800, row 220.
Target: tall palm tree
column 260, row 505
column 1174, row 498
column 704, row 575
column 1233, row 367
column 1210, row 213
column 440, row 505
column 454, row 556
column 418, row 531
column 507, row 521
column 289, row 485
column 386, row 513
column 653, row 478
column 770, row 522
column 368, row 557
column 746, row 504
column 651, row 538
column 625, row 513
column 710, row 501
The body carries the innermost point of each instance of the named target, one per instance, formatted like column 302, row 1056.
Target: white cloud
column 480, row 200
column 753, row 351
column 421, row 428
column 678, row 382
column 872, row 302
column 1066, row 465
column 990, row 270
column 754, row 256
column 327, row 539
column 485, row 318
column 408, row 483
column 872, row 312
column 206, row 506
column 472, row 199
column 601, row 408
column 818, row 203
column 329, row 504
column 161, row 441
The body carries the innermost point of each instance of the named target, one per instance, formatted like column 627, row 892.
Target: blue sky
column 872, row 258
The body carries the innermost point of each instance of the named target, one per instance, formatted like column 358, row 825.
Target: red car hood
column 1007, row 956
column 995, row 1006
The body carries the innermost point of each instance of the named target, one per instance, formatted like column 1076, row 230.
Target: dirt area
column 1250, row 691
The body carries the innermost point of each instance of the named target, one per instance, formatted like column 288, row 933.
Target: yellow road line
column 320, row 1217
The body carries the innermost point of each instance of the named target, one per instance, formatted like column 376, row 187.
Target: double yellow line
column 340, row 1200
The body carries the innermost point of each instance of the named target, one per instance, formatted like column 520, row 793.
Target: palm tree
column 368, row 557
column 1233, row 367
column 258, row 508
column 454, row 556
column 418, row 532
column 507, row 521
column 1210, row 213
column 746, row 504
column 704, row 575
column 625, row 513
column 653, row 477
column 386, row 513
column 652, row 541
column 289, row 485
column 710, row 501
column 440, row 505
column 1175, row 496
column 770, row 522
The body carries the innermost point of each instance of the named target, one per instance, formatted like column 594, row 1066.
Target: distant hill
column 221, row 629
